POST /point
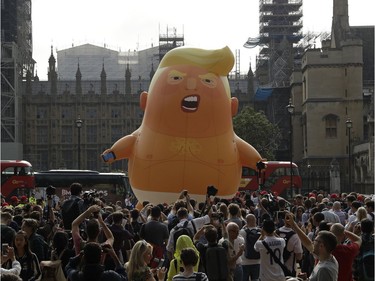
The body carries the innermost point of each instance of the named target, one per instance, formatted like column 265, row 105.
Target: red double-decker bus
column 17, row 178
column 276, row 178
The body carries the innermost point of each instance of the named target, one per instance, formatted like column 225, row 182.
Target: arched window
column 331, row 125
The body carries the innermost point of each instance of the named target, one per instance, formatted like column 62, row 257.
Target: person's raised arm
column 107, row 232
column 189, row 207
column 353, row 237
column 302, row 236
column 86, row 214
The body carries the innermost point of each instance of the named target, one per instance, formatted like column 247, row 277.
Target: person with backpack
column 250, row 258
column 213, row 257
column 345, row 253
column 73, row 206
column 186, row 227
column 190, row 259
column 175, row 266
column 293, row 248
column 363, row 268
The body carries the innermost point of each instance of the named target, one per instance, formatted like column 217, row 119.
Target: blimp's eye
column 175, row 77
column 209, row 80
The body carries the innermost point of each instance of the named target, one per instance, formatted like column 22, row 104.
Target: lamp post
column 79, row 125
column 290, row 108
column 349, row 125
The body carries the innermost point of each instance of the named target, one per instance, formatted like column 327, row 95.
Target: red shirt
column 345, row 255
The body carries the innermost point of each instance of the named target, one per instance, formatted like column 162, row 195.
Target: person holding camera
column 8, row 255
column 293, row 248
column 94, row 226
column 92, row 269
column 190, row 225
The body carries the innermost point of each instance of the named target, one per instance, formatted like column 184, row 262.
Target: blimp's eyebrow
column 176, row 73
column 209, row 76
column 209, row 79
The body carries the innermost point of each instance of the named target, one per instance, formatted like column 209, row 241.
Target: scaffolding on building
column 169, row 41
column 280, row 30
column 16, row 63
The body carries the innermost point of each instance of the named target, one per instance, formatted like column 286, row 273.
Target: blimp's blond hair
column 219, row 61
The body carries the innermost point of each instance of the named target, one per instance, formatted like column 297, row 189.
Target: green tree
column 254, row 128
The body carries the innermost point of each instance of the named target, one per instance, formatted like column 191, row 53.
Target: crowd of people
column 252, row 236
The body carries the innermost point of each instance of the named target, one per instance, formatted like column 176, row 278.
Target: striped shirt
column 196, row 276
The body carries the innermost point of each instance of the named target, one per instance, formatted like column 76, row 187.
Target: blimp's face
column 188, row 101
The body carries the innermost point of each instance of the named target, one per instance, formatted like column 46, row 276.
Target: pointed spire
column 128, row 75
column 78, row 80
column 51, row 59
column 250, row 73
column 103, row 81
column 36, row 77
column 28, row 83
column 103, row 73
column 52, row 75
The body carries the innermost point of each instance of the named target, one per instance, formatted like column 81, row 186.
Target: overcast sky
column 135, row 25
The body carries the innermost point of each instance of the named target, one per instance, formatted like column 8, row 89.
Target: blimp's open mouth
column 190, row 103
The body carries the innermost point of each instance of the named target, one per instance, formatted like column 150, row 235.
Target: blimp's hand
column 108, row 156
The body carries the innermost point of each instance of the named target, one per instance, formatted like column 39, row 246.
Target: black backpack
column 216, row 263
column 286, row 236
column 173, row 223
column 252, row 235
column 69, row 212
column 183, row 230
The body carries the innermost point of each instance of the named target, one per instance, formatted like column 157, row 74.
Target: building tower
column 280, row 27
column 16, row 61
column 52, row 74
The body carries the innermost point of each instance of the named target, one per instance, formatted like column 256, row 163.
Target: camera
column 4, row 248
column 211, row 191
column 160, row 262
column 106, row 248
column 261, row 165
column 50, row 191
column 219, row 216
column 90, row 197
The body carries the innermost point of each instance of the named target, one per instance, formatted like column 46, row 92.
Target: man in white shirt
column 235, row 245
column 293, row 246
column 269, row 269
column 250, row 266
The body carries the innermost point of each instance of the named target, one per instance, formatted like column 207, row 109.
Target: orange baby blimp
column 186, row 139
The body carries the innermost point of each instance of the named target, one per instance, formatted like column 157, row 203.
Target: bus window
column 248, row 172
column 16, row 175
